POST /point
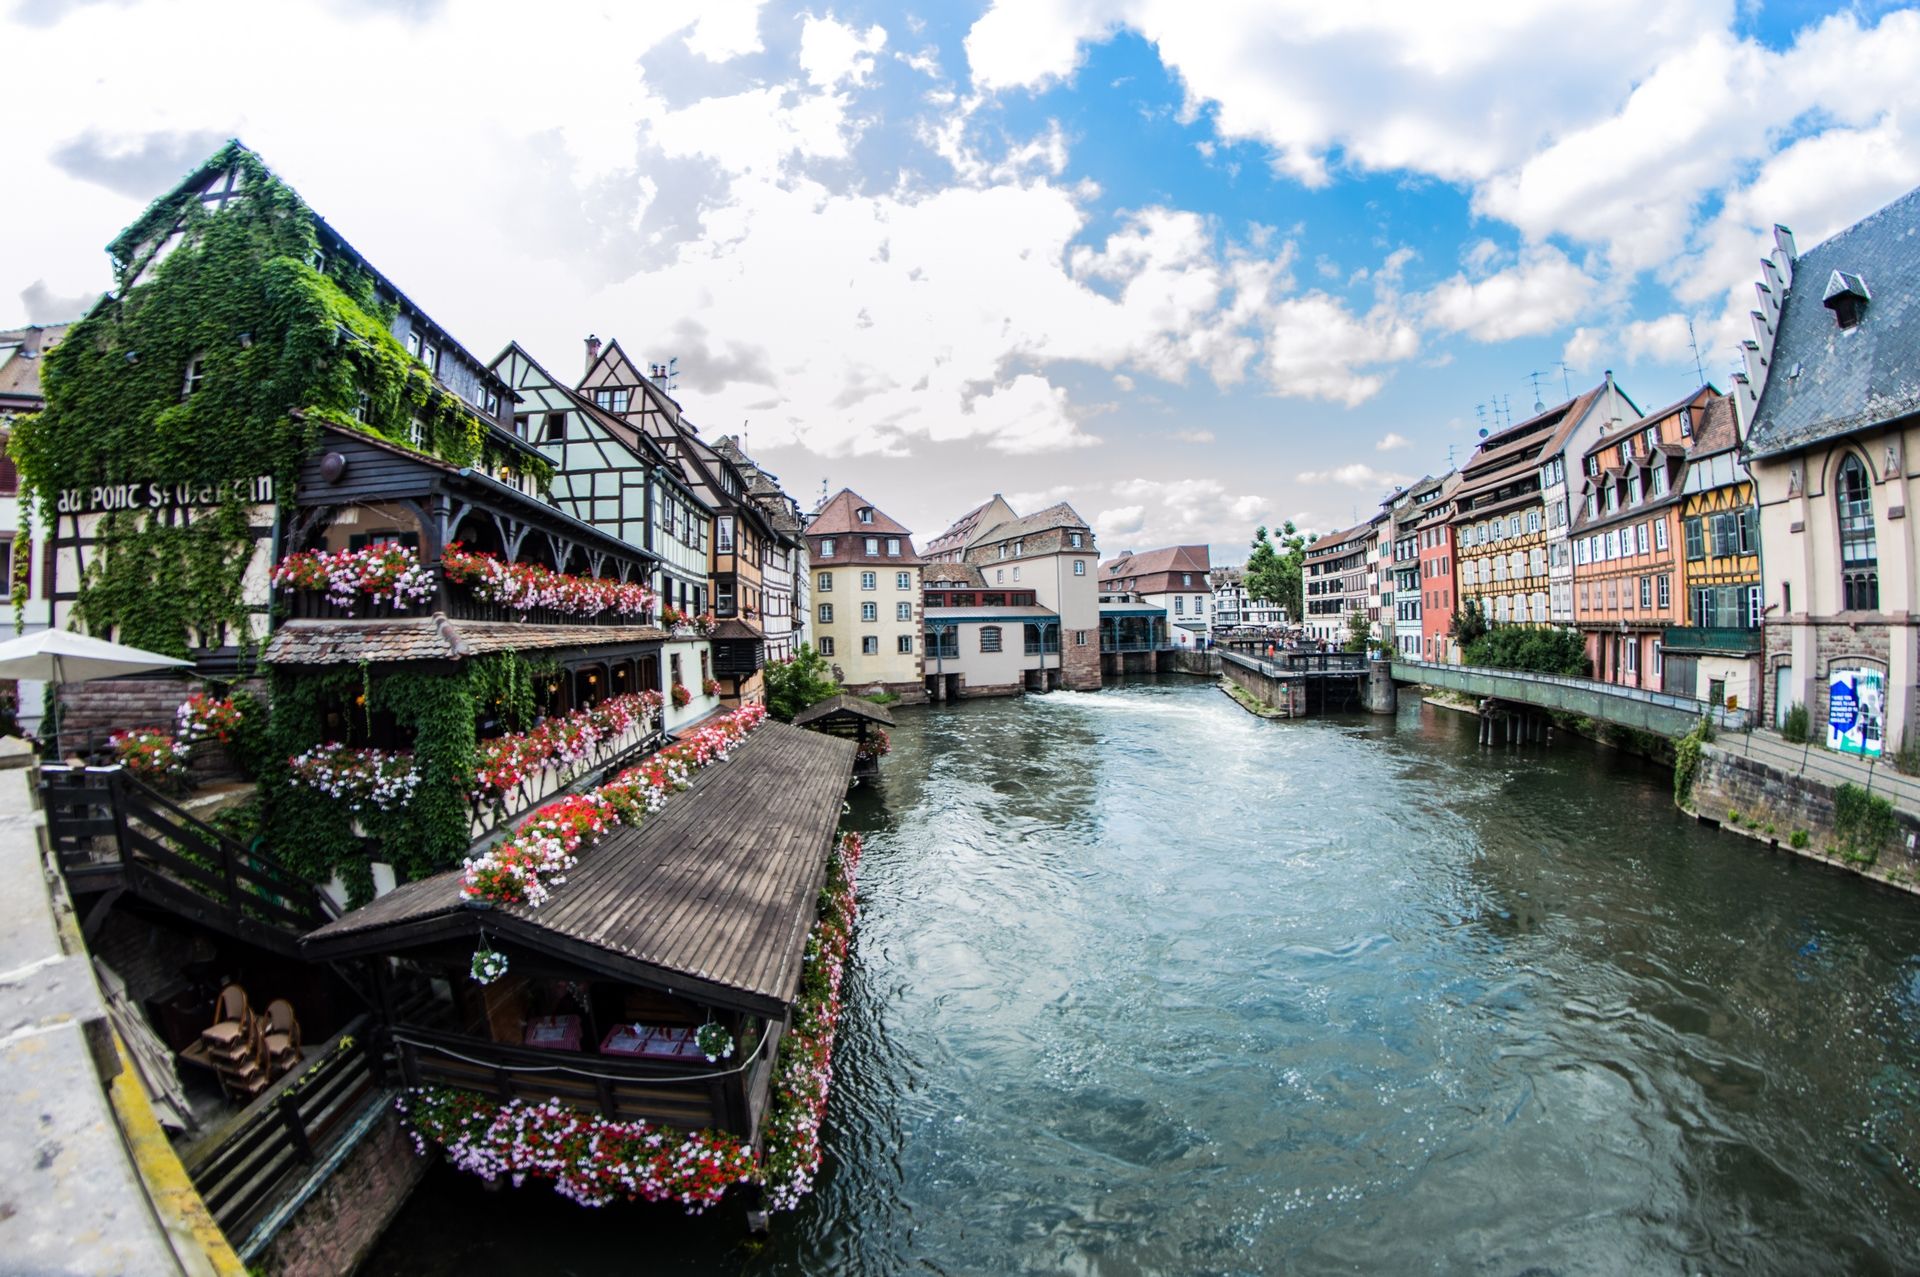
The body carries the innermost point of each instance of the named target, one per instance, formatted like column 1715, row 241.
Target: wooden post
column 288, row 1107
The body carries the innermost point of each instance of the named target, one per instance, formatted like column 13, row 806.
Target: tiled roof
column 1172, row 558
column 956, row 535
column 1060, row 515
column 1334, row 541
column 21, row 350
column 839, row 518
column 935, row 575
column 1718, row 431
column 734, row 628
column 844, row 705
column 1823, row 380
column 433, row 638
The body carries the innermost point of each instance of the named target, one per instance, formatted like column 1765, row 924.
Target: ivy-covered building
column 259, row 454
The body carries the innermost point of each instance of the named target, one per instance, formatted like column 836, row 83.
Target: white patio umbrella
column 61, row 656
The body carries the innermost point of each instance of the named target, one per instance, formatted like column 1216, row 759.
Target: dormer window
column 1846, row 297
column 866, row 514
column 413, row 344
column 430, row 356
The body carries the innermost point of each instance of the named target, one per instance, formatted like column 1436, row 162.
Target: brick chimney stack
column 593, row 350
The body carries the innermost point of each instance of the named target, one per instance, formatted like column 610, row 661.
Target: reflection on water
column 1146, row 985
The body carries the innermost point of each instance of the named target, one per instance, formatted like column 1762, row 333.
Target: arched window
column 989, row 638
column 1859, row 555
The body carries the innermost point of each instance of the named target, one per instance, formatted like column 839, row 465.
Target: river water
column 1145, row 985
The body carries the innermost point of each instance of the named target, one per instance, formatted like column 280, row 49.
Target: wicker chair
column 282, row 1037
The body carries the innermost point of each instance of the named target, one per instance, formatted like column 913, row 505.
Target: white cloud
column 1392, row 441
column 833, row 53
column 1193, row 436
column 1541, row 293
column 1177, row 512
column 726, row 29
column 1317, row 348
column 1664, row 340
column 1357, row 475
column 1583, row 348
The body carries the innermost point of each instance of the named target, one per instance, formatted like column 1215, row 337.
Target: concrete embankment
column 92, row 1185
column 1755, row 797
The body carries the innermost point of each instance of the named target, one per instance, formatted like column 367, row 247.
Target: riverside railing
column 1733, row 720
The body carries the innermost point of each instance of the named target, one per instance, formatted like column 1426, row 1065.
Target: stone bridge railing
column 1649, row 711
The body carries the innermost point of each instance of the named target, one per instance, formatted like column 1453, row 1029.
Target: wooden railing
column 613, row 1086
column 163, row 854
column 282, row 1133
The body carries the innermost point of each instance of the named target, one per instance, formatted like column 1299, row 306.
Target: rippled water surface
column 1145, row 985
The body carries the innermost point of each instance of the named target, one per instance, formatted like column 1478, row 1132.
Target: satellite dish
column 1483, row 432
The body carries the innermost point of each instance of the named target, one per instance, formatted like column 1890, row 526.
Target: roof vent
column 1846, row 297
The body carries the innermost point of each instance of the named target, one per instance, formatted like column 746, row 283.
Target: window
column 1659, row 484
column 826, row 614
column 1755, row 608
column 556, row 428
column 1079, row 567
column 869, row 611
column 999, row 576
column 989, row 638
column 430, row 356
column 1640, row 536
column 1633, row 656
column 826, row 547
column 893, row 547
column 865, row 514
column 1073, row 540
column 873, row 545
column 903, row 580
column 1659, row 665
column 723, row 600
column 723, row 534
column 1533, row 520
column 869, row 580
column 1646, row 591
column 1179, row 605
column 1660, row 535
column 1079, row 638
column 870, row 645
column 826, row 647
column 1725, row 528
column 493, row 404
column 417, row 433
column 904, row 645
column 1749, row 531
column 1613, row 498
column 1695, row 536
column 363, row 403
column 413, row 344
column 824, row 582
column 903, row 611
column 610, row 400
column 944, row 641
column 1613, row 545
column 196, row 373
column 1666, row 599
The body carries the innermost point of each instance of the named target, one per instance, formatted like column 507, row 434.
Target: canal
column 1145, row 985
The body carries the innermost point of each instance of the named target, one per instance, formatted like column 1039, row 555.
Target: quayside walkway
column 1659, row 712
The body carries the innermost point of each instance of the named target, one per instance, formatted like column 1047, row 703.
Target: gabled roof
column 1336, row 542
column 955, row 537
column 1824, row 381
column 844, row 705
column 1718, row 431
column 1059, row 515
column 1172, row 558
column 629, row 435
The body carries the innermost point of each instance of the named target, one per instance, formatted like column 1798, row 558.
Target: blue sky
column 1190, row 267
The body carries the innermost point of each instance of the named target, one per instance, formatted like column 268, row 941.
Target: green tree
column 1469, row 625
column 1274, row 574
column 1358, row 632
column 793, row 685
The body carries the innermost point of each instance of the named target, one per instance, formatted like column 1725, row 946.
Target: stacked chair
column 282, row 1037
column 236, row 1045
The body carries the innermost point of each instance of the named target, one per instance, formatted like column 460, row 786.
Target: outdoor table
column 554, row 1033
column 651, row 1043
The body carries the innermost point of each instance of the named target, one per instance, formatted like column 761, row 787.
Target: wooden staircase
column 113, row 836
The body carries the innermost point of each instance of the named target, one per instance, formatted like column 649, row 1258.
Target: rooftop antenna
column 667, row 374
column 1566, row 376
column 1480, row 410
column 1699, row 372
column 1538, row 404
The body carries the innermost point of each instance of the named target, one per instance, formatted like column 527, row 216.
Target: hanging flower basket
column 681, row 696
column 488, row 964
column 715, row 1042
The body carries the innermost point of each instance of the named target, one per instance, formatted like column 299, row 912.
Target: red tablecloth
column 554, row 1033
column 651, row 1043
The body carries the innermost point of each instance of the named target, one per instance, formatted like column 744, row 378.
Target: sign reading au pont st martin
column 106, row 497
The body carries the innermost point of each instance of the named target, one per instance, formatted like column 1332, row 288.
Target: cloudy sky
column 1192, row 267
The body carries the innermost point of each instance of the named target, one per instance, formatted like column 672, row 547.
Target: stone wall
column 1081, row 665
column 1289, row 696
column 1763, row 796
column 336, row 1227
column 1206, row 664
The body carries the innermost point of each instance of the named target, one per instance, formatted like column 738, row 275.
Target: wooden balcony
column 455, row 601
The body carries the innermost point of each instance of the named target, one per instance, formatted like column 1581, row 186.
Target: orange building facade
column 1628, row 541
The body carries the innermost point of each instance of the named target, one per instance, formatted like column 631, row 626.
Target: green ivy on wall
column 314, row 834
column 280, row 341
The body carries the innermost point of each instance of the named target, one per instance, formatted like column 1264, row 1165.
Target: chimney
column 593, row 351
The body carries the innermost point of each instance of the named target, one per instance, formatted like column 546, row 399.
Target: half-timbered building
column 742, row 534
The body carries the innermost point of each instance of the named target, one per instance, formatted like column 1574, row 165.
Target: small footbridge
column 1510, row 692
